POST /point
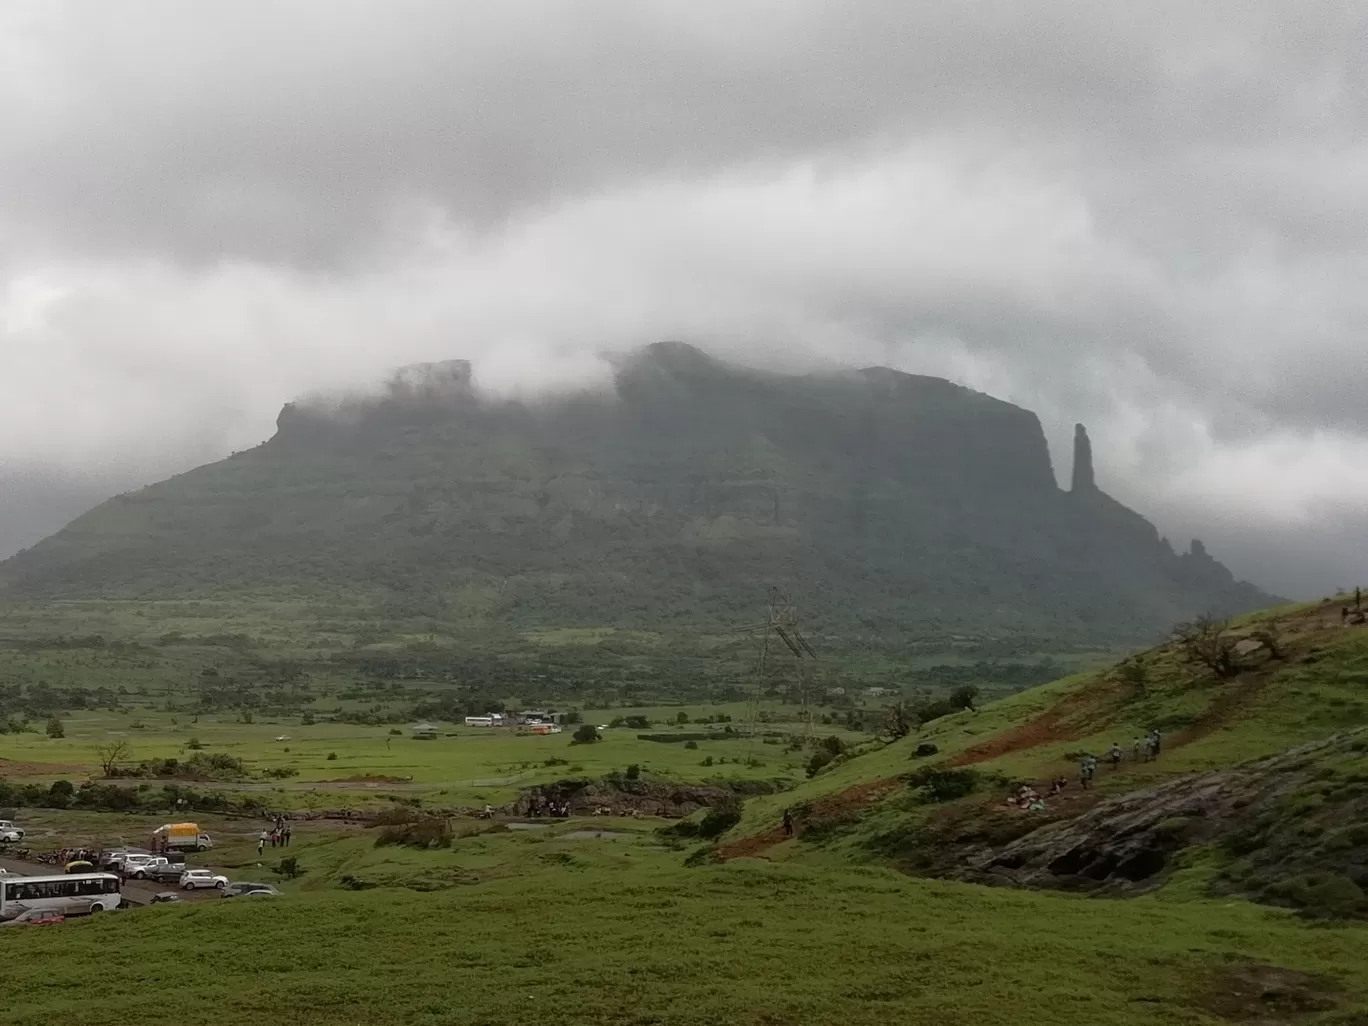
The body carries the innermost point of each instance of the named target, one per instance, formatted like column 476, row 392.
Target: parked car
column 161, row 872
column 198, row 879
column 112, row 860
column 35, row 917
column 242, row 890
column 137, row 867
column 9, row 833
column 165, row 896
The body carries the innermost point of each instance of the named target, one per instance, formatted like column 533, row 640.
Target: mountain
column 888, row 505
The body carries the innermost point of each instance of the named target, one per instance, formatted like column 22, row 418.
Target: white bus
column 69, row 894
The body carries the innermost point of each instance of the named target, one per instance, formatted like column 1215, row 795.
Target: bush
column 194, row 744
column 719, row 819
column 396, row 732
column 1320, row 895
column 943, row 785
column 289, row 868
column 332, row 757
column 421, row 832
column 633, row 772
column 691, row 745
column 820, row 758
column 707, row 761
column 307, row 720
column 963, row 697
column 586, row 734
column 55, row 728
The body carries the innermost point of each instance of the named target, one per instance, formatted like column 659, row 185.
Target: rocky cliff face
column 891, row 505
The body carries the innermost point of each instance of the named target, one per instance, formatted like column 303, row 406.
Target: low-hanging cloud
column 1149, row 219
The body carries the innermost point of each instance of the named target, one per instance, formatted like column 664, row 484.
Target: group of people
column 543, row 807
column 1028, row 799
column 278, row 835
column 1141, row 750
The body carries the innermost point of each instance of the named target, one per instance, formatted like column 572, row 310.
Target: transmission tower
column 781, row 623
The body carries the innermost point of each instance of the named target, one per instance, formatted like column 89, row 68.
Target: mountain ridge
column 889, row 502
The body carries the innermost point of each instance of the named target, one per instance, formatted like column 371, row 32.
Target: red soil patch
column 1049, row 726
column 851, row 798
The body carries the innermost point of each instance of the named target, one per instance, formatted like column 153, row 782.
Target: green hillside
column 1262, row 776
column 904, row 514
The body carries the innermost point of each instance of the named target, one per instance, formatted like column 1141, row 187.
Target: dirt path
column 137, row 892
column 851, row 798
column 1047, row 727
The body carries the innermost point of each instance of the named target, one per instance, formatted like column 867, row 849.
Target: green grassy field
column 604, row 934
column 465, row 765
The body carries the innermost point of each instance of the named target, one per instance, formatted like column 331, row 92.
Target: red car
column 35, row 917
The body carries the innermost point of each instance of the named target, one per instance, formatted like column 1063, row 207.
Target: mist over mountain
column 886, row 503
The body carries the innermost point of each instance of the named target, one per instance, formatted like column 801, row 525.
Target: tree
column 1208, row 642
column 633, row 772
column 898, row 720
column 963, row 697
column 1134, row 674
column 55, row 728
column 111, row 756
column 681, row 717
column 585, row 734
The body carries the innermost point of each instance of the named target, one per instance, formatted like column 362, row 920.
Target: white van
column 9, row 833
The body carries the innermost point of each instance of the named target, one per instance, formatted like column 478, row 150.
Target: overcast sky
column 1152, row 218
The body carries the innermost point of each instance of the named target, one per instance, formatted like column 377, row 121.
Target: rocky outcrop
column 1083, row 478
column 623, row 797
column 1128, row 843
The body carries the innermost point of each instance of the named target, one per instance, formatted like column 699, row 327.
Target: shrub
column 585, row 734
column 691, row 745
column 307, row 719
column 289, row 868
column 1320, row 895
column 707, row 761
column 943, row 785
column 55, row 728
column 633, row 772
column 963, row 697
column 194, row 744
column 421, row 832
column 396, row 732
column 332, row 757
column 719, row 819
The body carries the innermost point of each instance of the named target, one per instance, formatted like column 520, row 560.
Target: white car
column 9, row 833
column 198, row 879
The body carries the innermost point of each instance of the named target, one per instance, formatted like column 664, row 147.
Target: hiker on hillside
column 261, row 842
column 1154, row 741
column 1085, row 771
column 788, row 823
column 285, row 834
column 1135, row 750
column 1115, row 755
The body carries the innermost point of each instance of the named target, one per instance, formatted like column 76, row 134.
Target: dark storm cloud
column 1151, row 217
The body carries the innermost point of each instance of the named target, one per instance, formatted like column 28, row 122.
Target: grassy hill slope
column 1315, row 690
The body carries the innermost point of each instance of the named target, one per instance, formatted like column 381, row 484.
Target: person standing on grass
column 1155, row 745
column 788, row 823
column 261, row 844
column 1135, row 750
column 288, row 831
column 1115, row 755
column 1084, row 771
